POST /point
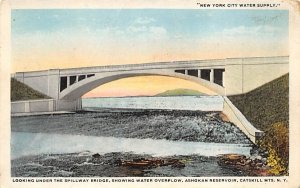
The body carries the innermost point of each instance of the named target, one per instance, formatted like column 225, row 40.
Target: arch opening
column 145, row 86
column 79, row 89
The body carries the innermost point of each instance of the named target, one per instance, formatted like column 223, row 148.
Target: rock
column 254, row 150
column 259, row 164
column 231, row 159
column 142, row 163
column 232, row 156
column 264, row 160
column 118, row 162
column 252, row 164
column 73, row 168
column 265, row 154
column 138, row 160
column 137, row 172
column 96, row 155
column 178, row 165
column 150, row 163
column 259, row 157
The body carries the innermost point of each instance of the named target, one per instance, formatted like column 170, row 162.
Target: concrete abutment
column 69, row 105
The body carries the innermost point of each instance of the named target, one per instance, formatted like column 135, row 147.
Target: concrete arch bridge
column 225, row 77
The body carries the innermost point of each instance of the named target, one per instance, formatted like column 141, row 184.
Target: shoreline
column 128, row 164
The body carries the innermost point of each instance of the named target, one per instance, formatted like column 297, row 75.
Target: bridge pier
column 69, row 105
column 211, row 79
column 68, row 81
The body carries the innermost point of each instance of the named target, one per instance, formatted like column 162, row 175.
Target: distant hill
column 20, row 91
column 180, row 92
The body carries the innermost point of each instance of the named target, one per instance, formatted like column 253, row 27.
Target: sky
column 47, row 39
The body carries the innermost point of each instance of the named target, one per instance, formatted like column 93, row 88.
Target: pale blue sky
column 92, row 37
column 182, row 21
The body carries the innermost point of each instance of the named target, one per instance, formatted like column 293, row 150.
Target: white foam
column 42, row 143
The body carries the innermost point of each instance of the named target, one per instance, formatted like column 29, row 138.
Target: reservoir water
column 203, row 103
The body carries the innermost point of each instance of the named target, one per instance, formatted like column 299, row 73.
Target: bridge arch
column 78, row 89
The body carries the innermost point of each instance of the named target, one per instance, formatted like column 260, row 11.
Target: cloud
column 144, row 26
column 137, row 29
column 108, row 32
column 144, row 20
column 147, row 29
column 250, row 31
column 157, row 30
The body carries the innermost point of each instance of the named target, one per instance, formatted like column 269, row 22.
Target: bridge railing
column 30, row 106
column 158, row 65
